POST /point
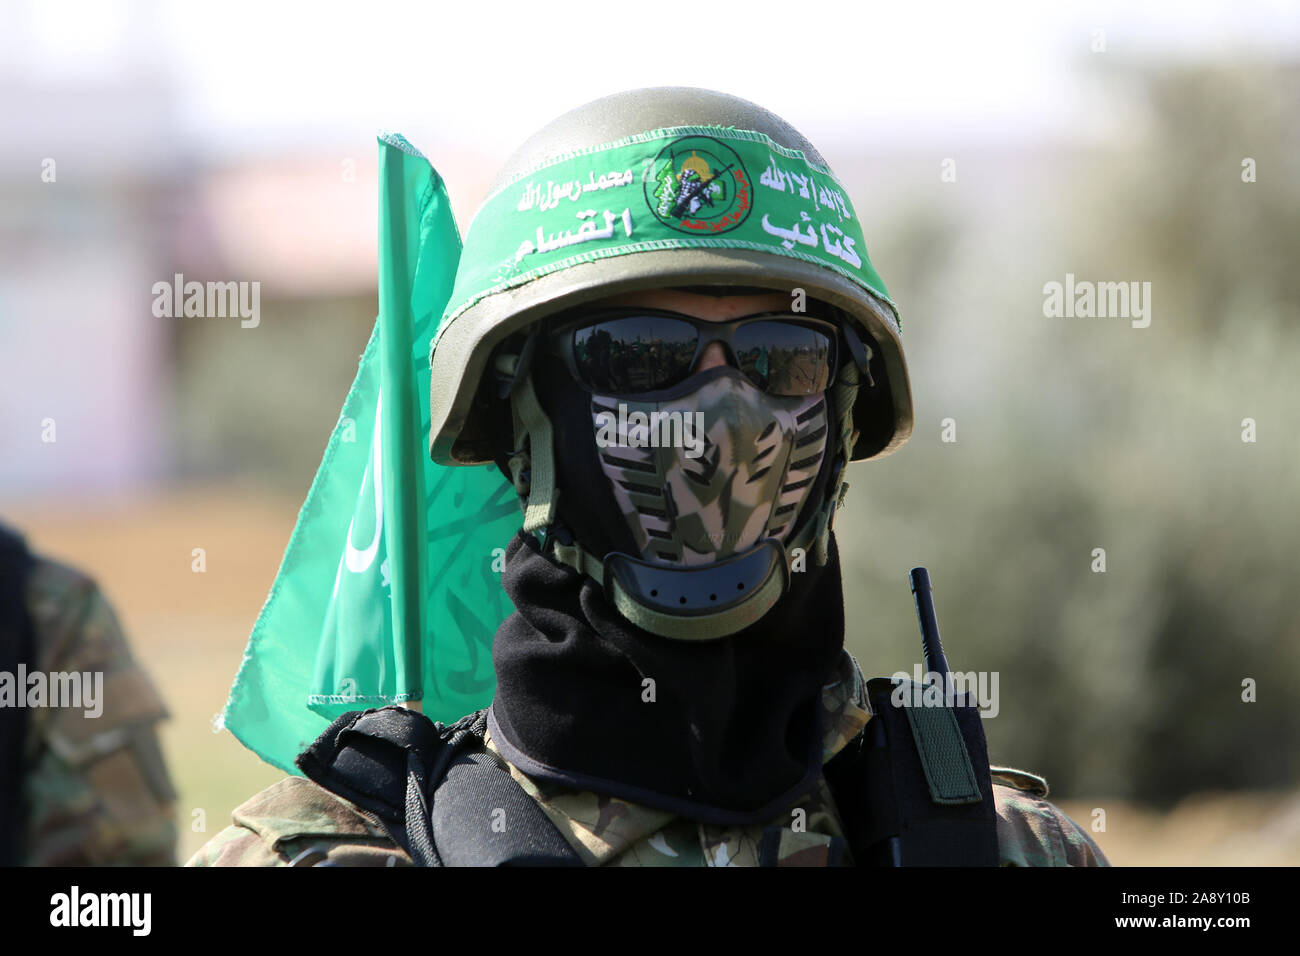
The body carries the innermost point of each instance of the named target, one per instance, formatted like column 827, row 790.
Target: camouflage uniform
column 295, row 820
column 96, row 790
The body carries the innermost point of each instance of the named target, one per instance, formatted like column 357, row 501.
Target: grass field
column 189, row 629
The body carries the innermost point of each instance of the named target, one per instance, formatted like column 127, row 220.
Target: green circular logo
column 699, row 186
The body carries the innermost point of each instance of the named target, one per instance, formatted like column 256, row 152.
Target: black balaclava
column 724, row 731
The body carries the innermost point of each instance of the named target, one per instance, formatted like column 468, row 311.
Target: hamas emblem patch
column 699, row 186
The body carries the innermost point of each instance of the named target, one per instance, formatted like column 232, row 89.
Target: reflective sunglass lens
column 634, row 354
column 783, row 358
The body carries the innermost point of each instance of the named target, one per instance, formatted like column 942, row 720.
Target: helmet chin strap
column 685, row 603
column 532, row 460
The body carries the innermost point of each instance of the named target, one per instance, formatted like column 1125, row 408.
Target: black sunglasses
column 628, row 351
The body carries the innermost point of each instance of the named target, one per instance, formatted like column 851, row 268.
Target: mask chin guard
column 697, row 603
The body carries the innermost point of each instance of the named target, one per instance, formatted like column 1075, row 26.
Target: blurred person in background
column 82, row 782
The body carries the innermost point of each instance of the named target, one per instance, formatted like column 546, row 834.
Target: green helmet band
column 678, row 188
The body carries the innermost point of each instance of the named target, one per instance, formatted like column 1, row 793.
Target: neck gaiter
column 724, row 731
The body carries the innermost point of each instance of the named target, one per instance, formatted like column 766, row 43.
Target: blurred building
column 88, row 173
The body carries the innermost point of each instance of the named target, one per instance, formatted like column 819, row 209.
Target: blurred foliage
column 1083, row 433
column 262, row 401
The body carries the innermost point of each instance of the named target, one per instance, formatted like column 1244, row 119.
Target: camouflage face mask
column 707, row 471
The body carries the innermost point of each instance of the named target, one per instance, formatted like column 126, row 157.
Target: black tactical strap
column 387, row 761
column 481, row 817
column 368, row 758
column 892, row 815
column 17, row 646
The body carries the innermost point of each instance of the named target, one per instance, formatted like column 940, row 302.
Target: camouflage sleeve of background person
column 96, row 789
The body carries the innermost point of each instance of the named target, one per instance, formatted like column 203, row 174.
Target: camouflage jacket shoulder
column 1032, row 831
column 295, row 820
column 296, row 823
column 95, row 785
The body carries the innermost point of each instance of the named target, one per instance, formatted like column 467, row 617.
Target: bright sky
column 254, row 74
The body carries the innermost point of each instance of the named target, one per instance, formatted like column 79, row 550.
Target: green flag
column 389, row 588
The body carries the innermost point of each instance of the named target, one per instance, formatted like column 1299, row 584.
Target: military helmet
column 505, row 297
